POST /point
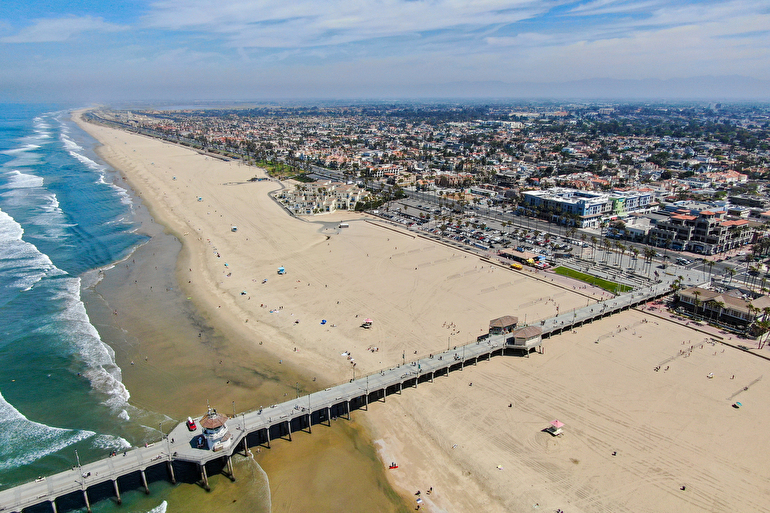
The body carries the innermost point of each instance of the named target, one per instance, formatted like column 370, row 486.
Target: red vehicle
column 191, row 424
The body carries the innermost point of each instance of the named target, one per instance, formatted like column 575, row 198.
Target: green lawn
column 611, row 286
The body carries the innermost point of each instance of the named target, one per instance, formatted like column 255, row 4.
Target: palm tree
column 731, row 272
column 764, row 329
column 697, row 294
column 594, row 242
column 711, row 266
column 622, row 248
column 607, row 247
column 720, row 305
column 649, row 254
column 766, row 323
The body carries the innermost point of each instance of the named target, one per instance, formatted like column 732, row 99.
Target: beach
column 633, row 436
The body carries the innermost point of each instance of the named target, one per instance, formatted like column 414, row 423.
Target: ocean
column 70, row 238
column 63, row 222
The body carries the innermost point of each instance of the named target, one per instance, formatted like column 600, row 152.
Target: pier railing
column 260, row 427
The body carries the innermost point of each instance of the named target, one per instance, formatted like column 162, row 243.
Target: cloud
column 305, row 23
column 54, row 30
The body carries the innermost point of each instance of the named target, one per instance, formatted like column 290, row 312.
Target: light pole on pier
column 233, row 409
column 297, row 386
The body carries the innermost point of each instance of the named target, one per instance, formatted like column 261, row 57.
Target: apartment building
column 322, row 197
column 707, row 232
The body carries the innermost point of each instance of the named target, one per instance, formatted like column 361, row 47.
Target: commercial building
column 586, row 208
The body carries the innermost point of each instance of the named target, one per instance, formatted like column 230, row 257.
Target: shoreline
column 633, row 435
column 137, row 331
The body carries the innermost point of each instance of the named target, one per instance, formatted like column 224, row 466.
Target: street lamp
column 297, row 385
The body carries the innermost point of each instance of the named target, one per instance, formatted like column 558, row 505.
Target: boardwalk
column 281, row 420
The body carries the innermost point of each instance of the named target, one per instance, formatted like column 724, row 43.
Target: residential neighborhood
column 691, row 177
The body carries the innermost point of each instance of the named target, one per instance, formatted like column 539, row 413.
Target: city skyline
column 185, row 50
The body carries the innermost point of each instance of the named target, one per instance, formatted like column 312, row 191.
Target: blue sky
column 245, row 49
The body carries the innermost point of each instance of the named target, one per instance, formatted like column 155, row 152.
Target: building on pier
column 525, row 339
column 504, row 324
column 215, row 431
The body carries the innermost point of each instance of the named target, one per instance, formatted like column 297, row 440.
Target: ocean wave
column 110, row 442
column 21, row 149
column 160, row 508
column 19, row 180
column 39, row 440
column 85, row 160
column 99, row 358
column 21, row 264
column 69, row 144
column 39, row 122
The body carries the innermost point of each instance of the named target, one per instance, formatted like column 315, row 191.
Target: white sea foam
column 21, row 264
column 19, row 180
column 85, row 160
column 40, row 123
column 99, row 358
column 110, row 442
column 40, row 440
column 21, row 149
column 69, row 144
column 160, row 508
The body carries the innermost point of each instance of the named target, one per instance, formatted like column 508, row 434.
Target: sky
column 179, row 50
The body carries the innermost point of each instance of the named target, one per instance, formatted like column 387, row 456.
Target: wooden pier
column 261, row 427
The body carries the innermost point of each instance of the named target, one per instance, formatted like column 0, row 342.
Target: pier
column 179, row 451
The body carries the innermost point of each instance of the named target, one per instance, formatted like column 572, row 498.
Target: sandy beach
column 633, row 436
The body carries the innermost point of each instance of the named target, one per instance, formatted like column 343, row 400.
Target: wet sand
column 174, row 360
column 668, row 429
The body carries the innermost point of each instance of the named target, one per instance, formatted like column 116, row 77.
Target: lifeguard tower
column 215, row 431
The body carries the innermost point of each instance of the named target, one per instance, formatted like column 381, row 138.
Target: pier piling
column 88, row 503
column 230, row 469
column 205, row 478
column 348, row 394
column 170, row 465
column 117, row 491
